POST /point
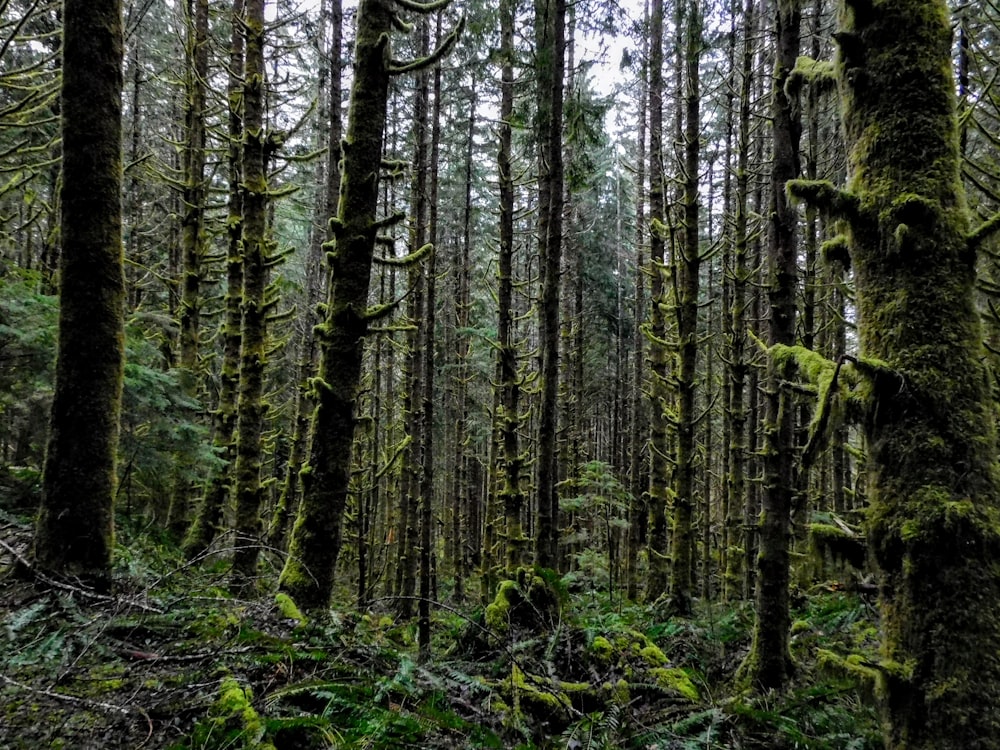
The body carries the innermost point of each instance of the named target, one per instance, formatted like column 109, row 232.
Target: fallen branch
column 123, row 710
column 84, row 592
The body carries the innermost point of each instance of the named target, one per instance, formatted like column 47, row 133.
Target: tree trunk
column 688, row 267
column 659, row 475
column 192, row 235
column 930, row 424
column 550, row 41
column 208, row 519
column 511, row 493
column 770, row 662
column 251, row 408
column 316, row 537
column 74, row 534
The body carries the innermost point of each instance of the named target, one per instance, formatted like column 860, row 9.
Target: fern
column 22, row 618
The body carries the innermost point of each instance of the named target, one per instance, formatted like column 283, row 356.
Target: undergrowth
column 173, row 661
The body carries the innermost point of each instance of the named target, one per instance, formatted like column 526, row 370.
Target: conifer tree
column 769, row 663
column 550, row 50
column 208, row 517
column 925, row 395
column 308, row 574
column 75, row 529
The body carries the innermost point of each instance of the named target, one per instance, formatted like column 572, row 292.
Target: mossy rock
column 601, row 648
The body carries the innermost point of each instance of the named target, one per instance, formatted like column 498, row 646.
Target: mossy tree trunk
column 508, row 417
column 327, row 194
column 737, row 365
column 308, row 575
column 417, row 457
column 769, row 664
column 427, row 557
column 75, row 529
column 550, row 50
column 192, row 235
column 208, row 518
column 255, row 243
column 688, row 269
column 655, row 331
column 462, row 492
column 934, row 525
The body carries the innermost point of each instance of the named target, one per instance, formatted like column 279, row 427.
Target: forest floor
column 174, row 661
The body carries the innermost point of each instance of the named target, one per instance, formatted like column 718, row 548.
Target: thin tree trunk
column 550, row 40
column 247, row 489
column 769, row 662
column 659, row 475
column 208, row 519
column 192, row 235
column 689, row 267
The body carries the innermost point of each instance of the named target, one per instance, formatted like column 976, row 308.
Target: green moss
column 233, row 721
column 653, row 655
column 840, row 544
column 676, row 680
column 497, row 612
column 602, row 648
column 286, row 606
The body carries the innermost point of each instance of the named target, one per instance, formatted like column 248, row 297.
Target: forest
column 462, row 374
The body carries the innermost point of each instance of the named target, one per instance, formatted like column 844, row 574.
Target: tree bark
column 930, row 429
column 74, row 534
column 769, row 662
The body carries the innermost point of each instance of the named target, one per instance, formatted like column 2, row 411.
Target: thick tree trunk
column 75, row 529
column 930, row 431
column 316, row 537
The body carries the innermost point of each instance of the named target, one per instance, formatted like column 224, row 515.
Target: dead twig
column 86, row 593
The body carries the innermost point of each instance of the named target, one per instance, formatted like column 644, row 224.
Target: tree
column 75, row 529
column 192, row 228
column 208, row 517
column 508, row 375
column 659, row 474
column 928, row 417
column 687, row 267
column 316, row 536
column 254, row 244
column 550, row 50
column 769, row 663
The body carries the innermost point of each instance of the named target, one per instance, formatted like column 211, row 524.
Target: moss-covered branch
column 825, row 196
column 409, row 259
column 821, row 74
column 983, row 232
column 398, row 67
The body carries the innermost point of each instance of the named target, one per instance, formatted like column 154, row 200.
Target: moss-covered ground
column 173, row 661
